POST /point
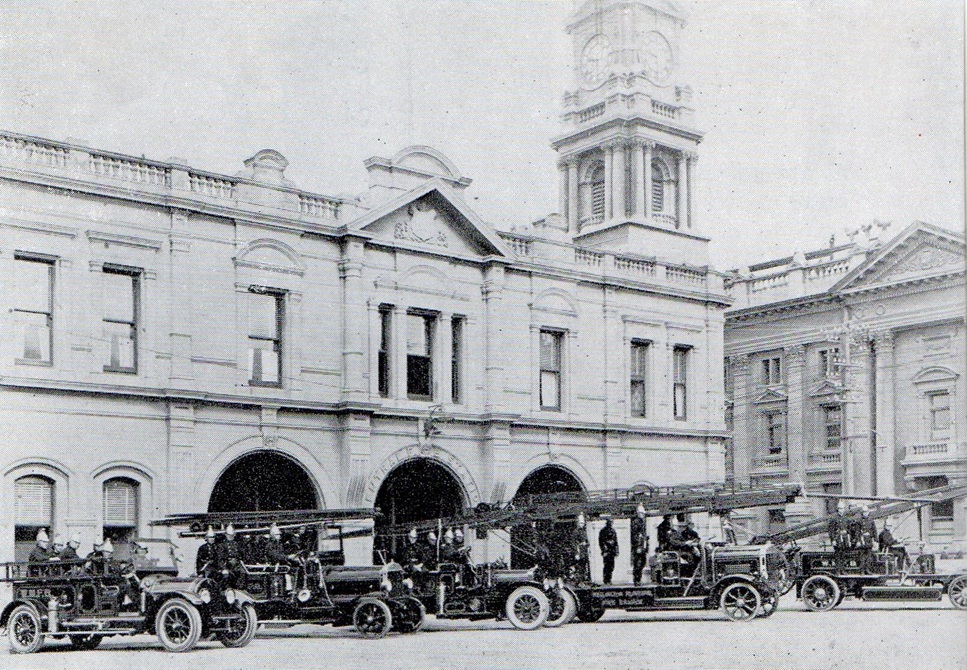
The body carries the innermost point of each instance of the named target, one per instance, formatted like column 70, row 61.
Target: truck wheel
column 241, row 628
column 740, row 601
column 85, row 642
column 179, row 625
column 770, row 603
column 410, row 615
column 527, row 608
column 957, row 592
column 820, row 593
column 372, row 618
column 24, row 630
column 589, row 613
column 564, row 607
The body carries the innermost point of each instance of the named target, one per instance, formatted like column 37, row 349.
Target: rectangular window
column 551, row 369
column 33, row 307
column 832, row 425
column 385, row 340
column 456, row 358
column 776, row 431
column 419, row 356
column 639, row 378
column 120, row 514
column 120, row 323
column 680, row 390
column 772, row 371
column 266, row 314
column 828, row 358
column 939, row 411
column 33, row 510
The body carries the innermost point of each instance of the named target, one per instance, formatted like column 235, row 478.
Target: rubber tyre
column 740, row 601
column 527, row 608
column 957, row 592
column 820, row 593
column 372, row 618
column 178, row 624
column 84, row 642
column 25, row 630
column 241, row 635
column 564, row 607
column 770, row 603
column 589, row 613
column 411, row 615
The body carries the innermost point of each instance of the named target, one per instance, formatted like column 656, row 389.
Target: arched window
column 121, row 513
column 33, row 510
column 658, row 179
column 596, row 181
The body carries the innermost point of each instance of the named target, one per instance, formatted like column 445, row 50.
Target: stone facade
column 845, row 370
column 161, row 323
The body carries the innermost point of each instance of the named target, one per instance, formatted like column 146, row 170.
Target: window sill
column 35, row 363
column 264, row 385
column 124, row 371
column 420, row 398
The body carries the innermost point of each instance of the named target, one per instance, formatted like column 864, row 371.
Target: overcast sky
column 820, row 114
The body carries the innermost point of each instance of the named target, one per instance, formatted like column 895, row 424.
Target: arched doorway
column 263, row 481
column 543, row 480
column 415, row 490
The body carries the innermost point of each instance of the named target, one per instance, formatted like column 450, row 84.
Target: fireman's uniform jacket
column 205, row 558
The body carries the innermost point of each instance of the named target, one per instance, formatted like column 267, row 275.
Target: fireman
column 205, row 558
column 639, row 544
column 608, row 543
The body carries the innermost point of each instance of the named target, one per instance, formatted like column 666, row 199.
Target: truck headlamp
column 205, row 595
column 386, row 585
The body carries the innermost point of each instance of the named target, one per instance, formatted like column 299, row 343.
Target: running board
column 916, row 593
column 681, row 603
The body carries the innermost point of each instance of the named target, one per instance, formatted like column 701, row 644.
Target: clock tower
column 627, row 154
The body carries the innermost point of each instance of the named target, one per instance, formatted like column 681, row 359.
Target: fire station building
column 179, row 340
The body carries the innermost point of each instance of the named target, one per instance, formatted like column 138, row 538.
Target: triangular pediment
column 826, row 388
column 919, row 252
column 432, row 217
column 770, row 395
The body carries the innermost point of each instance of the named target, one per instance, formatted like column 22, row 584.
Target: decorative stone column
column 646, row 185
column 397, row 382
column 740, row 417
column 886, row 466
column 562, row 190
column 608, row 181
column 681, row 187
column 691, row 161
column 797, row 450
column 573, row 196
column 857, row 452
column 611, row 335
column 638, row 191
column 181, row 292
column 619, row 206
column 493, row 292
column 442, row 373
column 354, row 386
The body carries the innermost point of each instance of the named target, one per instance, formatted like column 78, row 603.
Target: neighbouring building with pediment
column 845, row 370
column 177, row 340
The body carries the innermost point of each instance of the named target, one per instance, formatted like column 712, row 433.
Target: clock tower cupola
column 627, row 153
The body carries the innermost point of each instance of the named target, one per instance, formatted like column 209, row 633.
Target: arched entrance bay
column 543, row 480
column 263, row 481
column 415, row 490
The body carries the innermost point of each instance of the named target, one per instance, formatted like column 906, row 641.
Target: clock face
column 656, row 57
column 595, row 59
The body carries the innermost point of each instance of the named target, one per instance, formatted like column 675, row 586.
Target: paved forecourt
column 855, row 635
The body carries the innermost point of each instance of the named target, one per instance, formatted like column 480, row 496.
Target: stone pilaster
column 690, row 164
column 614, row 355
column 493, row 291
column 562, row 190
column 741, row 458
column 796, row 448
column 619, row 206
column 638, row 187
column 886, row 466
column 180, row 295
column 646, row 186
column 608, row 182
column 681, row 188
column 397, row 382
column 573, row 196
column 442, row 373
column 356, row 434
column 857, row 452
column 354, row 382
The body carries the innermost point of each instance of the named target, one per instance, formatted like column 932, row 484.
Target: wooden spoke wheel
column 741, row 601
column 24, row 630
column 527, row 608
column 179, row 625
column 241, row 627
column 372, row 618
column 820, row 593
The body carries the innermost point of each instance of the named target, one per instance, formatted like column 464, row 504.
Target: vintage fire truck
column 823, row 578
column 85, row 601
column 743, row 581
column 315, row 586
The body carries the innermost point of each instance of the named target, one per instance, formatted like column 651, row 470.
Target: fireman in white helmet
column 205, row 558
column 639, row 544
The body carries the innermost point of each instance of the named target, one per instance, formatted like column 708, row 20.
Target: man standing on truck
column 608, row 543
column 639, row 544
